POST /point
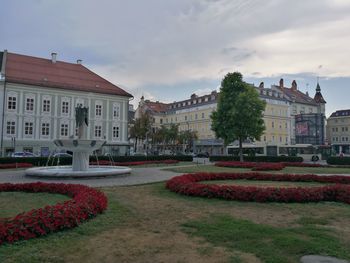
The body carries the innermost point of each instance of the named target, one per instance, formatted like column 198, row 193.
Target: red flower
column 86, row 202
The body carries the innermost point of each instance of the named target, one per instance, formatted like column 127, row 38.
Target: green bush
column 42, row 161
column 338, row 160
column 271, row 159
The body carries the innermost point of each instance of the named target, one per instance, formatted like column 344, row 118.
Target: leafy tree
column 239, row 113
column 187, row 137
column 141, row 128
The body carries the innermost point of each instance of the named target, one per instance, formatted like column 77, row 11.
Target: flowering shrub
column 86, row 203
column 188, row 184
column 15, row 165
column 105, row 162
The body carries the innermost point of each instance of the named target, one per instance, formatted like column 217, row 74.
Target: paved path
column 138, row 176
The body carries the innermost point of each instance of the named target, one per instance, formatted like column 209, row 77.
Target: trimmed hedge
column 338, row 160
column 42, row 161
column 267, row 159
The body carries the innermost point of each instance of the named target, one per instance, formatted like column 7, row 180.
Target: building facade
column 338, row 131
column 39, row 97
column 301, row 103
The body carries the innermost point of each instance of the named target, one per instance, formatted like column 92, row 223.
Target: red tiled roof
column 298, row 96
column 158, row 107
column 62, row 75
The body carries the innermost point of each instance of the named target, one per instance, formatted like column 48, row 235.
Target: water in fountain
column 81, row 148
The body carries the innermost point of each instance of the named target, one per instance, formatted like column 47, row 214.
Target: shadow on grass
column 268, row 243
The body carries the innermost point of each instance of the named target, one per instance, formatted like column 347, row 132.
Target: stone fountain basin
column 67, row 172
column 79, row 145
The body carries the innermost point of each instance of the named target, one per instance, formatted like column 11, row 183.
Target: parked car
column 62, row 155
column 23, row 154
column 202, row 155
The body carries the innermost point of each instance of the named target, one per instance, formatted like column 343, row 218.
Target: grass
column 297, row 170
column 26, row 201
column 54, row 247
column 268, row 243
column 148, row 223
column 263, row 183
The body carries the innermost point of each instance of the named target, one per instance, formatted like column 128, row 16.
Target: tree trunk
column 240, row 150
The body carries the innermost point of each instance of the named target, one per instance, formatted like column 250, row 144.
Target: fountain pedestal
column 80, row 161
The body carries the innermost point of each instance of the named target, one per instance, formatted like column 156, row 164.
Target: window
column 185, row 117
column 196, row 116
column 46, row 105
column 161, row 121
column 11, row 127
column 11, row 103
column 28, row 128
column 273, row 125
column 64, row 129
column 29, row 104
column 115, row 132
column 203, row 115
column 98, row 131
column 98, row 110
column 116, row 111
column 65, row 107
column 45, row 129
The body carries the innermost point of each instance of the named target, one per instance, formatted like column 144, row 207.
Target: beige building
column 194, row 114
column 338, row 131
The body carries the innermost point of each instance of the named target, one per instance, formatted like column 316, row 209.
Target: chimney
column 281, row 83
column 261, row 85
column 79, row 61
column 53, row 57
column 294, row 85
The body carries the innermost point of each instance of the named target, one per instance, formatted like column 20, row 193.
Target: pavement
column 138, row 176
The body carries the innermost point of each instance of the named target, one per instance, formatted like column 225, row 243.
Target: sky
column 167, row 50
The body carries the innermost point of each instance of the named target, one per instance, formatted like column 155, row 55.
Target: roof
column 29, row 70
column 157, row 107
column 298, row 96
column 340, row 113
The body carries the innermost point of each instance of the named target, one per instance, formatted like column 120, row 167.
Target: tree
column 141, row 128
column 239, row 113
column 187, row 137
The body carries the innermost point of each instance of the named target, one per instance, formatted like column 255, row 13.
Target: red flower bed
column 15, row 165
column 86, row 203
column 106, row 162
column 188, row 184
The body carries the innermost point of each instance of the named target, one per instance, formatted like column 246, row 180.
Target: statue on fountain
column 81, row 120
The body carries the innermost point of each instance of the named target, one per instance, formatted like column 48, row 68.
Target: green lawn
column 263, row 183
column 26, row 201
column 268, row 243
column 148, row 223
column 298, row 170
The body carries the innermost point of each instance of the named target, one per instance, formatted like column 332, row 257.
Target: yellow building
column 194, row 114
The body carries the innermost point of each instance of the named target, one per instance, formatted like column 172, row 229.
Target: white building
column 38, row 99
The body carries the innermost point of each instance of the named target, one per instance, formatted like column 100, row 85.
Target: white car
column 62, row 155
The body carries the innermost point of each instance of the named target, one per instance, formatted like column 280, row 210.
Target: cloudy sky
column 168, row 49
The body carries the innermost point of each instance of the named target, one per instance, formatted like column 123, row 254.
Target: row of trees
column 142, row 131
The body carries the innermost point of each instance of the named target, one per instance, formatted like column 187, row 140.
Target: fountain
column 81, row 148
